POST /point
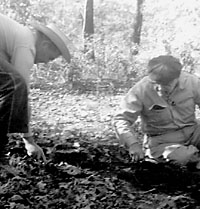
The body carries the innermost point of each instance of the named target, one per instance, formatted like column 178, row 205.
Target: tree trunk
column 88, row 29
column 137, row 26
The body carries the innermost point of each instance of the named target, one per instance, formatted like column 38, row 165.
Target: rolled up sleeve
column 125, row 118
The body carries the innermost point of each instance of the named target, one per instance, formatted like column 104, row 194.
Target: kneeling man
column 165, row 101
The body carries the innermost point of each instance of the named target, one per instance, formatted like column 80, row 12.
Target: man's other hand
column 33, row 149
column 136, row 153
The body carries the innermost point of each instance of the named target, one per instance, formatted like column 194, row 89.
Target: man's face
column 46, row 52
column 170, row 86
column 167, row 88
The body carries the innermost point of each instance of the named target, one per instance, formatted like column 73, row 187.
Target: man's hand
column 136, row 153
column 33, row 149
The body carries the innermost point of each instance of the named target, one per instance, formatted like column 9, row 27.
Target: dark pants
column 14, row 115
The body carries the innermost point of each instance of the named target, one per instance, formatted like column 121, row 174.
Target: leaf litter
column 87, row 168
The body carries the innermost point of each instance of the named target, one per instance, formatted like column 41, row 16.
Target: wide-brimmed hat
column 164, row 69
column 57, row 37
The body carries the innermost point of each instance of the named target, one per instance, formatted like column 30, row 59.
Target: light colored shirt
column 17, row 45
column 158, row 115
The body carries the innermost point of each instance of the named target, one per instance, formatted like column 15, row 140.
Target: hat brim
column 58, row 38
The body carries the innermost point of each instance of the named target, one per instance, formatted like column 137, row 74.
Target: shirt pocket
column 185, row 108
column 158, row 115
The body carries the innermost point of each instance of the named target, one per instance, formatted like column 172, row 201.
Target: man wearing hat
column 165, row 101
column 20, row 49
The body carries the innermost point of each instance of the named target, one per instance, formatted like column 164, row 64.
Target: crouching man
column 20, row 48
column 165, row 100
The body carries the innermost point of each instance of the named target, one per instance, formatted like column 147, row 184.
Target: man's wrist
column 26, row 135
column 28, row 139
column 133, row 144
column 129, row 139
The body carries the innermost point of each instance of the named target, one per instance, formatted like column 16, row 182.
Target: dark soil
column 85, row 175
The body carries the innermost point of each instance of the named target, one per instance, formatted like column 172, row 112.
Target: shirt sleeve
column 23, row 60
column 130, row 109
column 196, row 88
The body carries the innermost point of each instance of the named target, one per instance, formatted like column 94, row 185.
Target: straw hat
column 57, row 37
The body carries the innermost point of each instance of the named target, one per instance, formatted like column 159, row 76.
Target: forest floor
column 87, row 168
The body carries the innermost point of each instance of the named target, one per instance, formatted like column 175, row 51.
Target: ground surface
column 87, row 168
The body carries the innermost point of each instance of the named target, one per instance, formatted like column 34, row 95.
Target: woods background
column 112, row 40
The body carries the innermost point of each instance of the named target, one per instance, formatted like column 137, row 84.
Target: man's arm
column 23, row 61
column 123, row 121
column 127, row 115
